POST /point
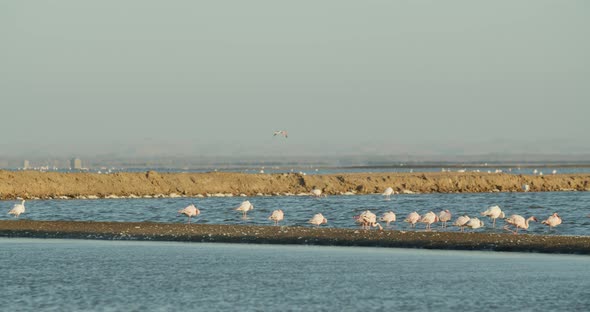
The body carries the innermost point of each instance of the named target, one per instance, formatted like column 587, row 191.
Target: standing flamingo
column 444, row 216
column 474, row 223
column 387, row 193
column 318, row 219
column 317, row 193
column 429, row 218
column 244, row 207
column 17, row 209
column 367, row 219
column 190, row 211
column 277, row 216
column 553, row 220
column 462, row 222
column 388, row 217
column 494, row 212
column 518, row 222
column 412, row 219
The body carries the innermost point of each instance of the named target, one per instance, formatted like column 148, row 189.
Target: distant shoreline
column 54, row 185
column 146, row 231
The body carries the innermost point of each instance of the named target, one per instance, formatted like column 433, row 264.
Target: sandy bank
column 33, row 184
column 293, row 235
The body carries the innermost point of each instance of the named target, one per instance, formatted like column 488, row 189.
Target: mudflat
column 294, row 235
column 34, row 184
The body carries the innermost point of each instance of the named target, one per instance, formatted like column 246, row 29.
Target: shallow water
column 73, row 275
column 339, row 210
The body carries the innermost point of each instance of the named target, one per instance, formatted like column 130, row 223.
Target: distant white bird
column 367, row 219
column 541, row 173
column 17, row 209
column 553, row 220
column 244, row 207
column 190, row 211
column 445, row 216
column 412, row 219
column 462, row 222
column 316, row 193
column 474, row 223
column 518, row 222
column 494, row 212
column 525, row 187
column 388, row 217
column 318, row 219
column 535, row 171
column 281, row 132
column 277, row 216
column 554, row 171
column 429, row 218
column 387, row 193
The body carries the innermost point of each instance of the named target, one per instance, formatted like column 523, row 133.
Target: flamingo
column 462, row 222
column 387, row 193
column 474, row 223
column 444, row 216
column 17, row 209
column 429, row 218
column 281, row 132
column 190, row 211
column 494, row 212
column 244, row 207
column 525, row 187
column 518, row 222
column 553, row 220
column 318, row 219
column 412, row 219
column 277, row 216
column 367, row 219
column 388, row 217
column 316, row 193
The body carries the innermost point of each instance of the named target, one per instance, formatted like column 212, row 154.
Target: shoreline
column 287, row 235
column 54, row 185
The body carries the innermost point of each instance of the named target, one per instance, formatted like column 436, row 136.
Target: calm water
column 74, row 275
column 339, row 210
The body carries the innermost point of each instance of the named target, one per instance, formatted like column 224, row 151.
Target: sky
column 141, row 77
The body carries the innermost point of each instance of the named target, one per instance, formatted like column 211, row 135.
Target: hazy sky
column 218, row 77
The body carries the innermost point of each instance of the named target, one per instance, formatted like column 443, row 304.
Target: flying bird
column 17, row 209
column 190, row 211
column 494, row 212
column 244, row 207
column 553, row 220
column 277, row 216
column 281, row 132
column 318, row 219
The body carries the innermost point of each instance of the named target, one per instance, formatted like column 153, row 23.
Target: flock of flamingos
column 367, row 219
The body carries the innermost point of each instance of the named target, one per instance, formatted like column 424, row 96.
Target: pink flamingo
column 318, row 219
column 494, row 212
column 244, row 207
column 444, row 217
column 553, row 220
column 412, row 219
column 462, row 222
column 388, row 217
column 367, row 219
column 429, row 218
column 277, row 216
column 190, row 211
column 518, row 222
column 17, row 209
column 281, row 132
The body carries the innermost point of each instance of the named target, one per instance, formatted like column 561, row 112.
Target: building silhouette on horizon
column 76, row 163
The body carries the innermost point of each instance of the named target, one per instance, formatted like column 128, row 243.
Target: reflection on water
column 573, row 207
column 67, row 275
